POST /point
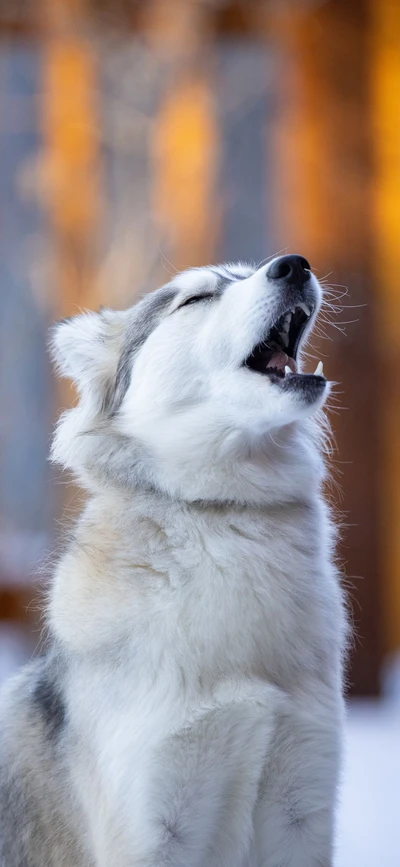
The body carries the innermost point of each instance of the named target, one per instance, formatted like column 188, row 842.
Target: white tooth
column 319, row 370
column 287, row 370
column 305, row 307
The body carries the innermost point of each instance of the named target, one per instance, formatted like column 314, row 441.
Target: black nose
column 292, row 269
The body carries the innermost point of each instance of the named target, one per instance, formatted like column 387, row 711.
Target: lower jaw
column 289, row 367
column 311, row 386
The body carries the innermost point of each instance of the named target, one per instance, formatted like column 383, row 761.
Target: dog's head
column 197, row 390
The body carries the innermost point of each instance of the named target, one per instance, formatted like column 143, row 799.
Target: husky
column 189, row 710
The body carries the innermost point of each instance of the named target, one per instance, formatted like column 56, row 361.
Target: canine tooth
column 305, row 308
column 287, row 370
column 319, row 370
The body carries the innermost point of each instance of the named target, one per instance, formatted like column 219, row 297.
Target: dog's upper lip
column 276, row 352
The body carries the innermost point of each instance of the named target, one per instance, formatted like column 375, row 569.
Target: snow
column 369, row 814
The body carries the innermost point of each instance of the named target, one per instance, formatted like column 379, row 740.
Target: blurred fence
column 137, row 138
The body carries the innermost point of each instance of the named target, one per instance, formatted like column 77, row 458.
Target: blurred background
column 138, row 137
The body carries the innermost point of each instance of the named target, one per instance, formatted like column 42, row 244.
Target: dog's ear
column 87, row 349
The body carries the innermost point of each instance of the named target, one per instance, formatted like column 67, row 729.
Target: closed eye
column 194, row 298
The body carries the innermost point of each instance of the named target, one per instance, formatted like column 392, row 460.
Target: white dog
column 189, row 713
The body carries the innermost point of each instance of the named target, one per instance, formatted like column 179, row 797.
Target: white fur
column 198, row 605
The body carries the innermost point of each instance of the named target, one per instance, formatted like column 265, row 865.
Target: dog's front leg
column 294, row 818
column 191, row 803
column 204, row 785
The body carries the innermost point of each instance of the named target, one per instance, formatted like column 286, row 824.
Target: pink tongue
column 278, row 360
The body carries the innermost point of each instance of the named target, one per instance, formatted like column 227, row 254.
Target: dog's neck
column 286, row 466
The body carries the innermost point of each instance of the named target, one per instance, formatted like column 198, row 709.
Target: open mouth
column 276, row 354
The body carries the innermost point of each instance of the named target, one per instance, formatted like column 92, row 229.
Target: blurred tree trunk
column 70, row 161
column 184, row 145
column 384, row 75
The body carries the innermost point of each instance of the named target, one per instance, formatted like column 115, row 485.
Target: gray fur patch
column 145, row 317
column 48, row 701
column 39, row 823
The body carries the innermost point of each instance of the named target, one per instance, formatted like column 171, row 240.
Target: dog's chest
column 242, row 598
